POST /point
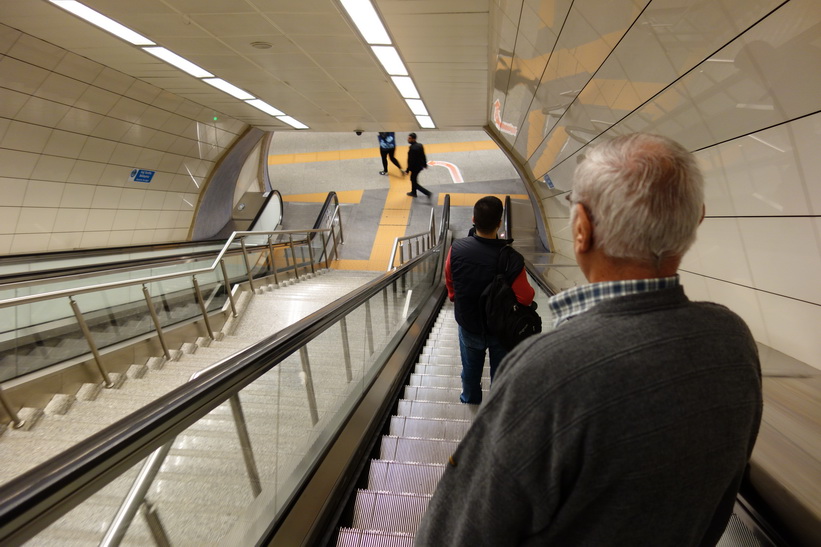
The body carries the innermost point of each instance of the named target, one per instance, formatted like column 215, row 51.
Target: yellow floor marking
column 396, row 212
column 345, row 196
column 363, row 153
column 394, row 217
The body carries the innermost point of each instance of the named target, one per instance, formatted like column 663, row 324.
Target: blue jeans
column 472, row 347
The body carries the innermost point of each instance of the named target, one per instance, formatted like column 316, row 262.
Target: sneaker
column 383, row 172
column 411, row 194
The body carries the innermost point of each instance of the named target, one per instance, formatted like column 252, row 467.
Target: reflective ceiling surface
column 547, row 76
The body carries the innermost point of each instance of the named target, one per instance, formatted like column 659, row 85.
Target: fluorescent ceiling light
column 389, row 58
column 292, row 122
column 405, row 86
column 367, row 21
column 229, row 88
column 425, row 122
column 265, row 107
column 183, row 64
column 417, row 107
column 100, row 20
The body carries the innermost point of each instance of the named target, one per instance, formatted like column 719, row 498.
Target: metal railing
column 136, row 497
column 266, row 252
column 415, row 244
column 40, row 496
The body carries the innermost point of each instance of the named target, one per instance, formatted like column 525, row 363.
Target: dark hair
column 487, row 213
column 412, row 135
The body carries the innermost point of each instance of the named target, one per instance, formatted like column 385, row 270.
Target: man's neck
column 487, row 235
column 614, row 269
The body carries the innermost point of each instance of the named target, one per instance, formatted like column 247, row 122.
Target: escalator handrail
column 271, row 195
column 61, row 275
column 236, row 236
column 507, row 219
column 33, row 500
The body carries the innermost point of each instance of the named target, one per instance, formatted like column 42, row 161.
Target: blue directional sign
column 141, row 175
column 548, row 181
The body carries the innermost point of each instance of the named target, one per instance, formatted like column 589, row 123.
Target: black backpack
column 504, row 317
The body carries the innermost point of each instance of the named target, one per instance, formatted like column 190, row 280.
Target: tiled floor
column 375, row 208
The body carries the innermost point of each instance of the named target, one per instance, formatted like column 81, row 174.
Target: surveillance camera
column 358, row 132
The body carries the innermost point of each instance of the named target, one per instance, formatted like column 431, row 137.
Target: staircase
column 69, row 418
column 429, row 425
column 202, row 492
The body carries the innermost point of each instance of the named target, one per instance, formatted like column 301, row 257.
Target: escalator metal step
column 435, row 394
column 423, row 428
column 388, row 512
column 403, row 449
column 437, row 410
column 349, row 537
column 404, row 477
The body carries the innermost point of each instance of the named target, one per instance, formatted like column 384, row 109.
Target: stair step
column 436, row 394
column 435, row 409
column 405, row 449
column 436, row 380
column 424, row 428
column 404, row 477
column 388, row 512
column 352, row 537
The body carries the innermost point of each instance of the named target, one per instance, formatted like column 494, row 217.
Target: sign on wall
column 141, row 175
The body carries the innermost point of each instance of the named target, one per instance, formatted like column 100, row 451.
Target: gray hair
column 645, row 194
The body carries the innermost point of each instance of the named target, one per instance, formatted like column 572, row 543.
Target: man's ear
column 582, row 230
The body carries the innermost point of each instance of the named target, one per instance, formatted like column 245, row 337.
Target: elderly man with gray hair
column 632, row 422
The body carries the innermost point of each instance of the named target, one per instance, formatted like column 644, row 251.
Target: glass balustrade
column 242, row 463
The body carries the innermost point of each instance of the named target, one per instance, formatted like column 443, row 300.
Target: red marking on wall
column 504, row 127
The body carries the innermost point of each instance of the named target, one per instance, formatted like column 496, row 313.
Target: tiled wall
column 737, row 82
column 72, row 131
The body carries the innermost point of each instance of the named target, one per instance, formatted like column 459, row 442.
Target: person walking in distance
column 633, row 420
column 469, row 268
column 416, row 162
column 387, row 147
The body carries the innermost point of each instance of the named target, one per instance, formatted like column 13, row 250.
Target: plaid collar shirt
column 579, row 299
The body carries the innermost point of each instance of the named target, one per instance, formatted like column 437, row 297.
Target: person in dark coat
column 387, row 148
column 632, row 421
column 416, row 162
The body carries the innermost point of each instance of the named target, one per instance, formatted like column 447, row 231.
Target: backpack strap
column 503, row 264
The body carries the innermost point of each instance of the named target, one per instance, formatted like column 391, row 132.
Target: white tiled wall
column 72, row 130
column 738, row 83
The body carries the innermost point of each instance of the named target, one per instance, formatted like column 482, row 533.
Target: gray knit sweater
column 631, row 424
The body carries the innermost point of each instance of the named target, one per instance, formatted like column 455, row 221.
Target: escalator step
column 404, row 477
column 350, row 537
column 388, row 512
column 422, row 428
column 404, row 449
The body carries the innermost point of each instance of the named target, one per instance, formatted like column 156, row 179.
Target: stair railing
column 263, row 249
column 420, row 242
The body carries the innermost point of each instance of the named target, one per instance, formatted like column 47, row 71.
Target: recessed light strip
column 183, row 64
column 115, row 28
column 366, row 19
column 370, row 26
column 99, row 20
